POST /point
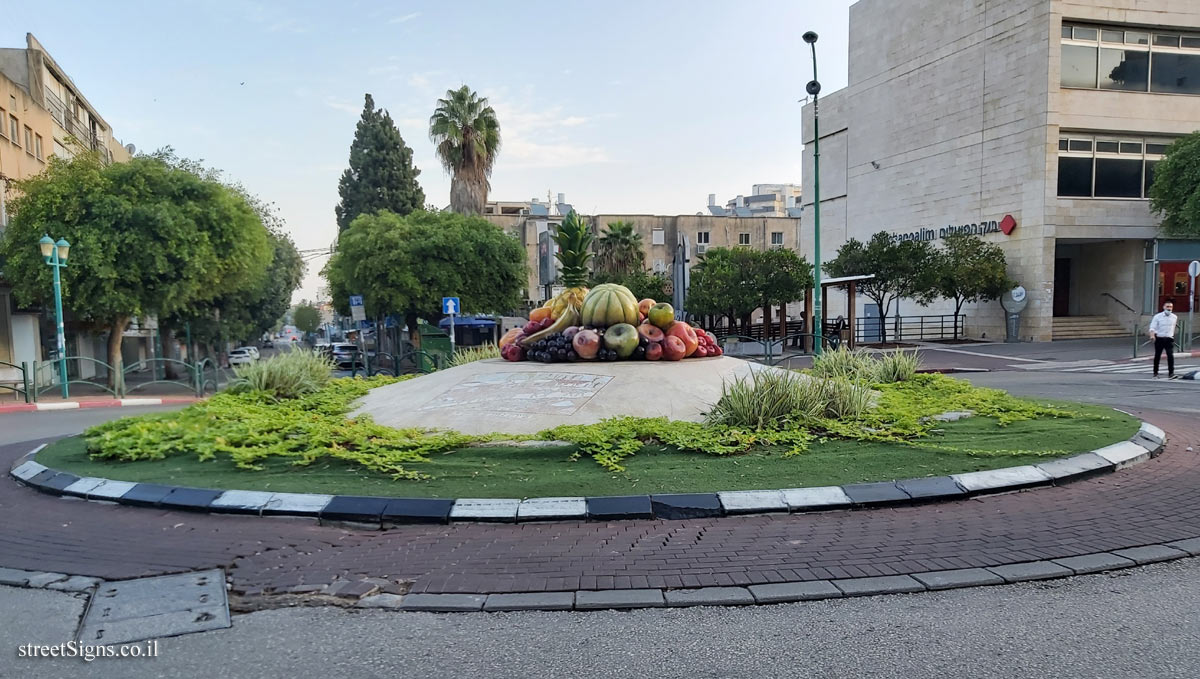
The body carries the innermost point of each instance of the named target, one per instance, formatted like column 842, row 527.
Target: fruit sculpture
column 574, row 241
column 609, row 304
column 610, row 325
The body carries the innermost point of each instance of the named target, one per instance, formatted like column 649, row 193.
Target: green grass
column 537, row 472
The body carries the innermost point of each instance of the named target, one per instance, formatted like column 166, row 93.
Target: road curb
column 107, row 403
column 386, row 512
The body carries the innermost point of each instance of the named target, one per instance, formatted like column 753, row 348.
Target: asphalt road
column 1140, row 623
column 1131, row 393
column 17, row 427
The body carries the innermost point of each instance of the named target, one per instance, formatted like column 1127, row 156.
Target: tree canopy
column 733, row 282
column 306, row 317
column 901, row 268
column 148, row 237
column 381, row 175
column 1175, row 193
column 467, row 134
column 619, row 250
column 969, row 269
column 405, row 265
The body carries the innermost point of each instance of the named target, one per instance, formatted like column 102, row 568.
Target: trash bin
column 1013, row 302
column 436, row 343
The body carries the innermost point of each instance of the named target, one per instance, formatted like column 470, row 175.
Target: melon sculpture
column 609, row 304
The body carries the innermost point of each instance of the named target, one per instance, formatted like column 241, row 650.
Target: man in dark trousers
column 1162, row 331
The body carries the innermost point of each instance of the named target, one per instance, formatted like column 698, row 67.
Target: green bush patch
column 254, row 440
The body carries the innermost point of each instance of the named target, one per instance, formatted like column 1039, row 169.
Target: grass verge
column 534, row 472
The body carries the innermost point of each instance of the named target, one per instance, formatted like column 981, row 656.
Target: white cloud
column 522, row 153
column 406, row 17
column 342, row 105
column 572, row 121
column 539, row 137
column 419, row 80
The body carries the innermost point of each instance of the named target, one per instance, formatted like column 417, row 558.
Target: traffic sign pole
column 451, row 307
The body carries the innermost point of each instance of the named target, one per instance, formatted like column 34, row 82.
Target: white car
column 241, row 357
column 253, row 351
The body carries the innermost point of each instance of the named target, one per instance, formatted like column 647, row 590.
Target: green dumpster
column 436, row 343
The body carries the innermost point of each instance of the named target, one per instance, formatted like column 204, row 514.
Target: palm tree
column 619, row 250
column 467, row 135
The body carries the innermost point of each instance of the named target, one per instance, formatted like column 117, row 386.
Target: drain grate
column 162, row 606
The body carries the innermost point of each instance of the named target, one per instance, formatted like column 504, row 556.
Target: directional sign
column 1194, row 269
column 451, row 306
column 356, row 308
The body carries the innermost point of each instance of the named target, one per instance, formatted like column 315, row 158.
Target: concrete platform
column 524, row 398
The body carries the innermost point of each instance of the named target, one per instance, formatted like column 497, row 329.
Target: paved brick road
column 1158, row 501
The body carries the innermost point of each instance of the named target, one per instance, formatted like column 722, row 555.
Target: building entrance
column 1174, row 284
column 1062, row 286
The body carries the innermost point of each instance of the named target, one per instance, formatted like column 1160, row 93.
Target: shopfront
column 1167, row 264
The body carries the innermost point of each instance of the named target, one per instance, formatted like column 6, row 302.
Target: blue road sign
column 356, row 300
column 450, row 305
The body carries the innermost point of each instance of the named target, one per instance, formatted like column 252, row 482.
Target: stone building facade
column 1051, row 112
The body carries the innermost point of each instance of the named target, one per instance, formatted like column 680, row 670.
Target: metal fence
column 902, row 328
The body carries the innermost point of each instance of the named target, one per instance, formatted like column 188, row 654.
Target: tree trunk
column 766, row 321
column 166, row 338
column 467, row 195
column 782, row 320
column 115, row 332
column 414, row 333
column 957, row 310
column 883, row 314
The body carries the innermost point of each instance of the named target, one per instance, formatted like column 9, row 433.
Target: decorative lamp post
column 55, row 255
column 814, row 88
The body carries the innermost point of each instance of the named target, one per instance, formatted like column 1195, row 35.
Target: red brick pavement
column 1155, row 502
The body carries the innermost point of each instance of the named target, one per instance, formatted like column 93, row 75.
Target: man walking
column 1162, row 331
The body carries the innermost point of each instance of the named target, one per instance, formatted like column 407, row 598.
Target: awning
column 467, row 322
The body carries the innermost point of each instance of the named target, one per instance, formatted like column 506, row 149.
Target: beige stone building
column 666, row 240
column 1051, row 112
column 43, row 114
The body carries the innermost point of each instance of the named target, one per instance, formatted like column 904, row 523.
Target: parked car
column 252, row 349
column 267, row 343
column 345, row 355
column 241, row 357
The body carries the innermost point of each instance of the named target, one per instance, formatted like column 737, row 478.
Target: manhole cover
column 163, row 606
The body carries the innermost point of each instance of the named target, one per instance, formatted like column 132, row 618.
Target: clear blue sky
column 623, row 106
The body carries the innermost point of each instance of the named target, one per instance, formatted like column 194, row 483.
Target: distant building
column 765, row 200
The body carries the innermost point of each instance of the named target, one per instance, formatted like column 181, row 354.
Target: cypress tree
column 381, row 175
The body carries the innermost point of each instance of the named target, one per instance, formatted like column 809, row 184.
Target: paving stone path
column 1155, row 502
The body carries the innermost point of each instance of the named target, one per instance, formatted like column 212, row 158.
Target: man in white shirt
column 1162, row 331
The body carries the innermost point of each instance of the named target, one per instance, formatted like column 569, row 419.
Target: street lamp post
column 814, row 88
column 55, row 255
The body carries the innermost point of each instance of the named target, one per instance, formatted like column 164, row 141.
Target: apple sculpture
column 622, row 338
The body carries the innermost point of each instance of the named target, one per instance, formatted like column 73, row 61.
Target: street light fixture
column 55, row 255
column 814, row 88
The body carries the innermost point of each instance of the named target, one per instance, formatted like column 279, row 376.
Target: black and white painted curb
column 386, row 512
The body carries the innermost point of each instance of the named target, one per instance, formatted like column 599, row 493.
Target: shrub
column 856, row 366
column 472, row 354
column 286, row 375
column 897, row 366
column 766, row 399
column 844, row 400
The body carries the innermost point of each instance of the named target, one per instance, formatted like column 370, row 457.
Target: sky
column 625, row 107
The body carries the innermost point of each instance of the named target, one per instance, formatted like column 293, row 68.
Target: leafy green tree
column 467, row 134
column 405, row 265
column 780, row 276
column 969, row 269
column 381, row 175
column 641, row 283
column 619, row 250
column 306, row 317
column 722, row 284
column 149, row 237
column 1175, row 193
column 901, row 268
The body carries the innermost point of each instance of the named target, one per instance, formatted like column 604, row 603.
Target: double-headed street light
column 55, row 255
column 814, row 88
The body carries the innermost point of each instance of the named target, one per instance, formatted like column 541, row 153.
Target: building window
column 1100, row 167
column 14, row 130
column 658, row 237
column 37, row 146
column 29, row 141
column 3, row 131
column 743, row 239
column 777, row 238
column 1112, row 58
column 702, row 237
